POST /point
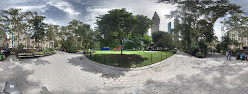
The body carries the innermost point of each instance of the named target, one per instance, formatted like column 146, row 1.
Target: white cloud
column 143, row 7
column 66, row 7
column 41, row 8
column 18, row 1
column 94, row 12
column 99, row 10
column 51, row 21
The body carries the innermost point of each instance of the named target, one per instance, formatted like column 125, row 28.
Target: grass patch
column 129, row 59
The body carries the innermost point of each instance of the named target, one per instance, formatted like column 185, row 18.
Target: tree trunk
column 53, row 43
column 121, row 47
column 18, row 39
column 76, row 43
column 87, row 48
column 28, row 44
column 38, row 45
column 80, row 45
column 84, row 49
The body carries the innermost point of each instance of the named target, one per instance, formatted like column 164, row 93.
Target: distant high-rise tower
column 176, row 32
column 156, row 22
column 176, row 22
column 169, row 27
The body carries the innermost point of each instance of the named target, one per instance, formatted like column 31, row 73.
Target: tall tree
column 239, row 24
column 51, row 32
column 198, row 18
column 139, row 34
column 73, row 26
column 15, row 18
column 141, row 26
column 115, row 27
column 147, row 40
column 162, row 40
column 38, row 27
column 86, row 36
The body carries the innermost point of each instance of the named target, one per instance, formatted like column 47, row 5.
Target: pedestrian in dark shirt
column 229, row 54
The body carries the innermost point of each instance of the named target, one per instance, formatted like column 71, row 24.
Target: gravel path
column 65, row 73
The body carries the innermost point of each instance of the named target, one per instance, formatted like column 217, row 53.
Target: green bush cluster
column 69, row 45
column 198, row 49
column 48, row 50
column 27, row 50
column 20, row 46
column 223, row 46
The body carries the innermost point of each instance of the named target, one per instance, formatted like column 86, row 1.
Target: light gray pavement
column 65, row 73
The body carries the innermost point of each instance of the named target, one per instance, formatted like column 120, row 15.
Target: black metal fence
column 148, row 59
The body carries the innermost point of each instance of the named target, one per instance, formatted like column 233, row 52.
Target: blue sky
column 62, row 11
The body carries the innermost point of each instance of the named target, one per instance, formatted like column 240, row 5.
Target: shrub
column 198, row 49
column 194, row 48
column 20, row 46
column 47, row 50
column 51, row 49
column 174, row 52
column 200, row 55
column 69, row 45
column 32, row 50
column 52, row 52
column 27, row 50
column 203, row 48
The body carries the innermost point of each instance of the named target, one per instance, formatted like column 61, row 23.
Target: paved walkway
column 65, row 73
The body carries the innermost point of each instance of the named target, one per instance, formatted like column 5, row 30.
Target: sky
column 61, row 12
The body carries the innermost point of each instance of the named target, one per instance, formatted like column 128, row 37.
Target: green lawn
column 130, row 59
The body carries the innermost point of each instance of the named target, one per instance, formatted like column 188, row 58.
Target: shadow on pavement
column 225, row 78
column 90, row 66
column 45, row 91
column 216, row 57
column 13, row 72
column 108, row 90
column 36, row 61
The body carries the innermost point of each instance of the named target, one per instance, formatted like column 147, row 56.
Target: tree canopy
column 162, row 39
column 16, row 19
column 197, row 19
column 118, row 26
column 38, row 27
column 238, row 24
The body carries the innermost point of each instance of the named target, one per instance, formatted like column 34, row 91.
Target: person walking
column 229, row 54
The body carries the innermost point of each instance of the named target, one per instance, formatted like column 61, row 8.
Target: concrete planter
column 39, row 54
column 25, row 55
column 47, row 53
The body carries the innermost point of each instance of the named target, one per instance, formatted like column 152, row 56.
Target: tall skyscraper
column 169, row 27
column 176, row 22
column 156, row 22
column 176, row 32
